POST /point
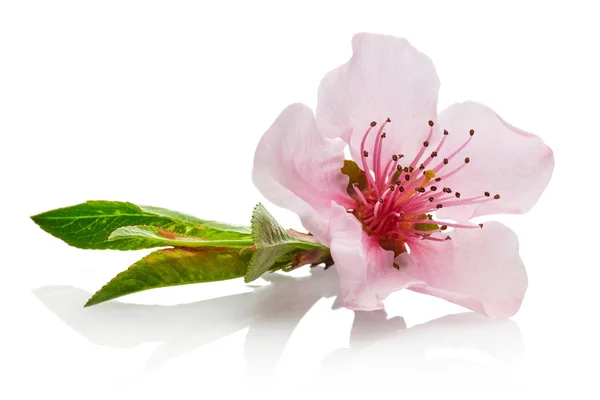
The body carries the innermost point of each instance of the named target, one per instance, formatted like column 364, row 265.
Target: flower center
column 396, row 203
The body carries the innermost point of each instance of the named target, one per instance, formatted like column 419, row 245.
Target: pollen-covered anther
column 407, row 177
column 431, row 199
column 497, row 196
column 373, row 123
column 421, row 167
column 467, row 160
column 433, row 188
column 486, row 194
column 395, row 157
column 431, row 123
column 400, row 189
column 383, row 135
column 439, row 206
column 457, row 194
column 481, row 225
column 434, row 154
column 471, row 132
column 366, row 153
column 410, row 169
column 426, row 143
column 445, row 132
column 388, row 120
column 443, row 227
column 399, row 167
column 405, row 169
column 446, row 161
column 438, row 179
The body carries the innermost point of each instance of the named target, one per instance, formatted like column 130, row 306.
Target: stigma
column 398, row 202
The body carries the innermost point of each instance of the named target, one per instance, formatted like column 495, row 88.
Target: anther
column 366, row 153
column 400, row 155
column 392, row 187
column 426, row 143
column 431, row 199
column 433, row 154
column 433, row 188
column 373, row 123
column 438, row 179
column 443, row 227
column 388, row 120
column 400, row 189
column 398, row 182
column 486, row 194
column 481, row 225
column 383, row 135
column 402, row 214
column 471, row 132
column 410, row 169
column 399, row 167
column 497, row 196
column 430, row 123
column 407, row 177
column 421, row 167
column 405, row 169
column 457, row 194
column 445, row 161
column 445, row 132
column 429, row 216
column 395, row 157
column 448, row 238
column 439, row 206
column 467, row 160
column 421, row 190
column 380, row 200
column 355, row 184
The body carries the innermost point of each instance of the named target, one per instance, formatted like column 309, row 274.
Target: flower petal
column 479, row 269
column 366, row 271
column 385, row 78
column 297, row 168
column 503, row 160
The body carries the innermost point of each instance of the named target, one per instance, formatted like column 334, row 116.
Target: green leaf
column 89, row 224
column 274, row 245
column 173, row 267
column 356, row 175
column 158, row 237
column 424, row 226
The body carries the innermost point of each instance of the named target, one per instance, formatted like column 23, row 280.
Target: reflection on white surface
column 446, row 346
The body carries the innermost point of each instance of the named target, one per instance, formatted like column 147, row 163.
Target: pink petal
column 503, row 160
column 366, row 271
column 479, row 269
column 385, row 78
column 297, row 168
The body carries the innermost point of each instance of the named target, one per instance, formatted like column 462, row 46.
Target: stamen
column 425, row 144
column 365, row 154
column 377, row 148
column 359, row 194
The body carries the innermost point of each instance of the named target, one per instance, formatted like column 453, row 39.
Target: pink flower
column 383, row 235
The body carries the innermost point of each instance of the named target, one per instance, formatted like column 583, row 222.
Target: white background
column 163, row 103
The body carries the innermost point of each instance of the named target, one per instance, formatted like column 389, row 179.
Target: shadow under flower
column 271, row 314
